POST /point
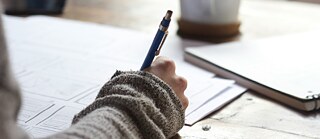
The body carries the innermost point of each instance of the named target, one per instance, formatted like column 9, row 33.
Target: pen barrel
column 152, row 51
column 157, row 41
column 165, row 23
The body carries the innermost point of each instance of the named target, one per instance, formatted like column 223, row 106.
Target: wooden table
column 251, row 115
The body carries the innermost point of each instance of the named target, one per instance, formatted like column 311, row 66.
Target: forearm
column 130, row 105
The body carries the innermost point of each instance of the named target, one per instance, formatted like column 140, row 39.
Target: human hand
column 165, row 68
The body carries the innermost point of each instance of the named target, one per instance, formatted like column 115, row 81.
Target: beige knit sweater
column 131, row 105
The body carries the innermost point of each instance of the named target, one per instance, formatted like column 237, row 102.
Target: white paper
column 32, row 107
column 209, row 89
column 61, row 119
column 215, row 103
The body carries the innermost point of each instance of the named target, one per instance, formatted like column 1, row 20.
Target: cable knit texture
column 131, row 105
column 152, row 104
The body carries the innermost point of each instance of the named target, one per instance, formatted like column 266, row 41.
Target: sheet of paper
column 62, row 64
column 32, row 107
column 57, row 121
column 216, row 102
column 204, row 91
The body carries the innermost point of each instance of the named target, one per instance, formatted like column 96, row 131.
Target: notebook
column 284, row 68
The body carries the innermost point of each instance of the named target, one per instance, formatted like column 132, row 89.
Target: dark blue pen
column 158, row 40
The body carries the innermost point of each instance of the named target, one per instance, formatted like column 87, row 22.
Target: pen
column 158, row 40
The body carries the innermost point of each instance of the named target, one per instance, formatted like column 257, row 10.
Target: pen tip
column 168, row 15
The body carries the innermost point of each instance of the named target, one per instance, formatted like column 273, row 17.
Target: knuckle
column 168, row 64
column 185, row 102
column 183, row 83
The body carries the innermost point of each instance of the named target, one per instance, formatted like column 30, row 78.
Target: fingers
column 184, row 101
column 181, row 85
column 165, row 64
column 164, row 68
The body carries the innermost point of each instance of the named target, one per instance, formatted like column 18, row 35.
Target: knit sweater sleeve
column 131, row 105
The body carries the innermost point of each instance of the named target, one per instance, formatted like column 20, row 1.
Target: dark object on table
column 29, row 7
column 209, row 32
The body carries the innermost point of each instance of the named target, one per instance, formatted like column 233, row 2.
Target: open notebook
column 285, row 68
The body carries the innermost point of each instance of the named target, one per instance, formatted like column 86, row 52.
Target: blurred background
column 259, row 18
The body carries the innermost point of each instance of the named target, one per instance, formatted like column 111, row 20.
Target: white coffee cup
column 210, row 11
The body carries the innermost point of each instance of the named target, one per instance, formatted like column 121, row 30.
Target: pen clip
column 162, row 42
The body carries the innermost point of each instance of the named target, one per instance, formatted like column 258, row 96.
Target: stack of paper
column 62, row 64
